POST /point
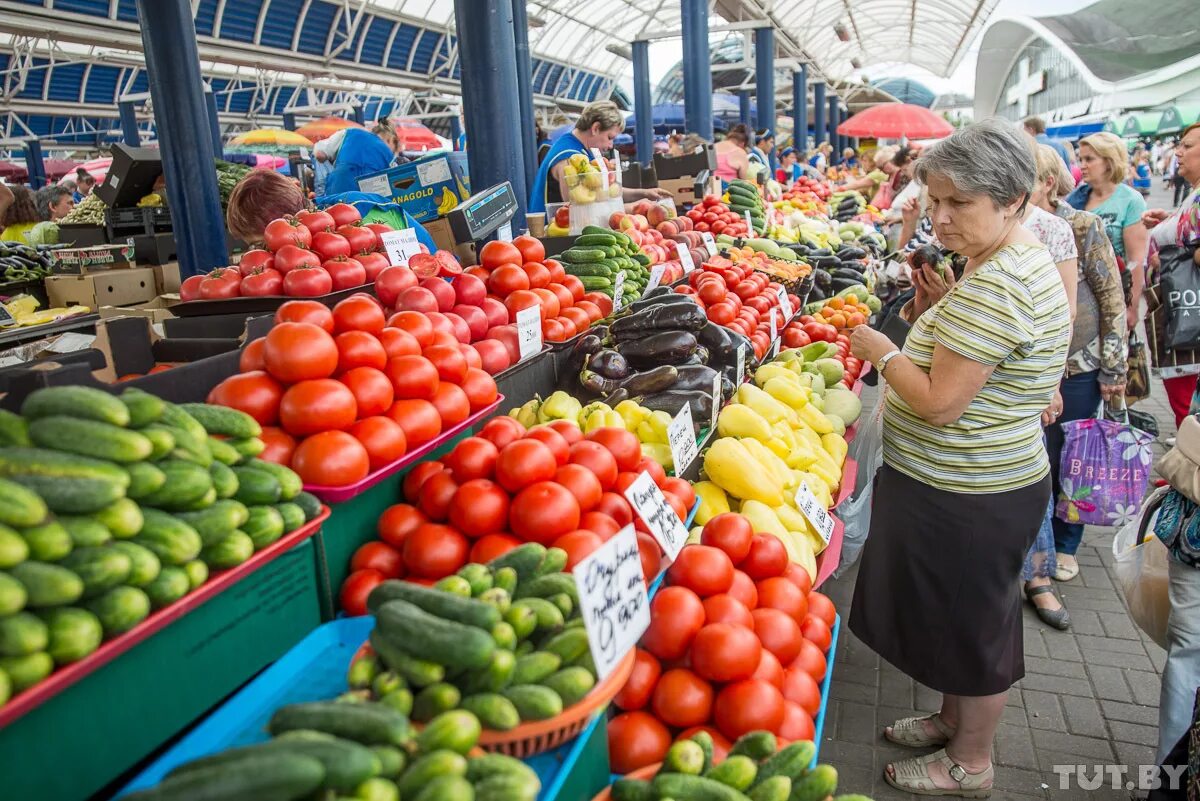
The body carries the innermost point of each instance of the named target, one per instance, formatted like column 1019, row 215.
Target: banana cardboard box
column 426, row 188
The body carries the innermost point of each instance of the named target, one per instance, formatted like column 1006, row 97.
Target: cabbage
column 44, row 233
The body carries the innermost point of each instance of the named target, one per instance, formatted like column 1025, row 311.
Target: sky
column 665, row 54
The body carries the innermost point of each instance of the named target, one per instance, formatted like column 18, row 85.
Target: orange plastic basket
column 538, row 736
column 641, row 773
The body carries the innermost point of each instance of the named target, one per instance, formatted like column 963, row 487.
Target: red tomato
column 582, row 483
column 796, row 723
column 256, row 259
column 378, row 556
column 473, row 457
column 731, row 533
column 815, row 631
column 598, row 459
column 767, row 558
column 299, row 351
column 356, row 588
column 437, row 493
column 676, row 614
column 744, row 590
column 321, row 404
column 769, row 669
column 568, row 430
column 502, row 431
column 413, row 377
column 811, row 660
column 261, row 283
column 799, row 576
column 542, row 511
column 600, row 523
column 725, row 608
column 640, row 685
column 305, row 311
column 372, row 390
column 307, row 282
column 623, row 445
column 647, row 465
column 681, row 489
column 495, row 253
column 820, row 606
column 221, row 283
column 553, row 440
column 489, row 546
column 331, row 459
column 779, row 593
column 524, row 462
column 361, row 238
column 397, row 522
column 382, row 437
column 343, row 214
column 650, row 556
column 702, row 569
column 451, row 404
column 255, row 393
column 279, row 445
column 190, row 289
column 778, row 633
column 358, row 313
column 479, row 507
column 286, row 231
column 479, row 387
column 435, row 551
column 681, row 698
column 724, row 652
column 418, row 476
column 507, row 279
column 801, row 688
column 531, row 249
column 419, row 419
column 635, row 740
column 746, row 706
column 579, row 544
column 359, row 349
column 616, row 507
column 449, row 361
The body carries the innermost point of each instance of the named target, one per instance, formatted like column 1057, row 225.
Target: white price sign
column 812, row 510
column 685, row 257
column 612, row 600
column 749, row 224
column 618, row 290
column 656, row 274
column 682, row 439
column 504, row 232
column 710, row 244
column 785, row 304
column 401, row 245
column 529, row 331
column 716, row 406
column 601, row 163
column 774, row 334
column 6, row 317
column 741, row 363
column 651, row 505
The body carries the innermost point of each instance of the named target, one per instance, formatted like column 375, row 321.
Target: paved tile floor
column 1089, row 696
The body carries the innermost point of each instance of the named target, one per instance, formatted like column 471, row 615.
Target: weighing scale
column 475, row 219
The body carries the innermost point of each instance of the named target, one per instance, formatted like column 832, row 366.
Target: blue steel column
column 836, row 155
column 818, row 112
column 800, row 110
column 525, row 90
column 34, row 164
column 764, row 79
column 289, row 121
column 744, row 113
column 697, row 68
column 129, row 129
column 173, row 64
column 643, row 127
column 487, row 50
column 214, row 123
column 455, row 131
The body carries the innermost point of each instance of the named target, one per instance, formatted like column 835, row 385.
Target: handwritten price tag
column 741, row 363
column 710, row 244
column 401, row 245
column 618, row 290
column 749, row 225
column 529, row 331
column 716, row 406
column 785, row 304
column 648, row 501
column 612, row 599
column 774, row 333
column 656, row 274
column 682, row 439
column 813, row 512
column 685, row 257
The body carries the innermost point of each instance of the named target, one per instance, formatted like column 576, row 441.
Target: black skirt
column 938, row 590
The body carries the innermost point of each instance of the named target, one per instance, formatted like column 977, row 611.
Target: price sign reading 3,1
column 529, row 331
column 401, row 245
column 612, row 599
column 685, row 257
column 682, row 439
column 651, row 505
column 812, row 510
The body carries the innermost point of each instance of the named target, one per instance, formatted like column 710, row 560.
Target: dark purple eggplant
column 609, row 364
column 672, row 401
column 664, row 347
column 654, row 380
column 667, row 298
column 613, row 398
column 694, row 376
column 663, row 317
column 587, row 344
column 717, row 340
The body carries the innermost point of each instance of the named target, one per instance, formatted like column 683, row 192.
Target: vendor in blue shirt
column 596, row 127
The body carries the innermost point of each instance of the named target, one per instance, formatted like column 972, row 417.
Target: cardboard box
column 155, row 311
column 684, row 190
column 439, row 229
column 112, row 288
column 423, row 188
column 166, row 278
column 80, row 261
column 685, row 166
column 155, row 248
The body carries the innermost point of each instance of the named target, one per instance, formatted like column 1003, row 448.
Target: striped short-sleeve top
column 1012, row 313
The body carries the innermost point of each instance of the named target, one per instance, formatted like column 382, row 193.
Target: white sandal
column 912, row 776
column 910, row 733
column 1065, row 572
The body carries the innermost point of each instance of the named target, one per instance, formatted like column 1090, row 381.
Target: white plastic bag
column 855, row 511
column 1142, row 571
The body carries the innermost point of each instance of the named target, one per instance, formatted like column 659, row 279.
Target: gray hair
column 987, row 158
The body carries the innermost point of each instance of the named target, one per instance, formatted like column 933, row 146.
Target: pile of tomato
column 518, row 276
column 807, row 329
column 345, row 391
column 550, row 484
column 716, row 218
column 305, row 256
column 736, row 643
column 739, row 298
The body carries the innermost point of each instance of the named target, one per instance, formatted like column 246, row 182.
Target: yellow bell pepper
column 631, row 413
column 800, row 528
column 814, row 419
column 772, row 410
column 739, row 420
column 527, row 415
column 835, row 446
column 659, row 423
column 659, row 453
column 713, row 501
column 602, row 418
column 765, row 457
column 731, row 467
column 816, row 484
column 769, row 371
column 788, row 392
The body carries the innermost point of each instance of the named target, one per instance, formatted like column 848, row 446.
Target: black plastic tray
column 263, row 305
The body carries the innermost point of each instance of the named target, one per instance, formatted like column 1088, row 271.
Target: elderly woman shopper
column 965, row 480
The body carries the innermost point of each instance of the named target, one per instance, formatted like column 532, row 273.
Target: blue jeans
column 1081, row 399
column 1181, row 675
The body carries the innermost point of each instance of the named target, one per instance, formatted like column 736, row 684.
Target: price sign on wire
column 774, row 333
column 785, row 304
column 529, row 331
column 685, row 257
column 749, row 225
column 681, row 436
column 401, row 245
column 651, row 505
column 813, row 512
column 716, row 405
column 656, row 274
column 710, row 244
column 504, row 232
column 612, row 600
column 618, row 289
column 741, row 363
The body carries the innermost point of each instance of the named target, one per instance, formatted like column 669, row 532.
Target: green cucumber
column 534, row 702
column 99, row 567
column 13, row 548
column 524, row 559
column 14, row 430
column 292, row 514
column 223, row 452
column 144, row 565
column 13, row 595
column 217, row 521
column 445, row 642
column 434, row 700
column 120, row 609
column 418, row 672
column 290, row 484
column 225, row 483
column 264, row 526
column 26, row 671
column 737, row 771
column 257, row 487
column 20, row 507
column 22, row 634
column 123, row 518
column 430, row 767
column 456, row 731
column 222, row 420
column 230, row 551
column 84, row 531
column 74, row 496
column 493, row 677
column 73, row 633
column 248, row 447
column 167, row 587
column 75, row 401
column 268, row 775
column 171, row 539
column 572, row 684
column 535, row 667
column 89, row 438
column 186, row 483
column 493, row 710
column 144, row 480
column 310, row 504
column 162, row 441
column 693, row 788
column 143, row 407
column 47, row 585
column 48, row 542
column 467, row 611
column 369, row 724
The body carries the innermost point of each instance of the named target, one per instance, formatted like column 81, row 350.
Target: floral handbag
column 1104, row 472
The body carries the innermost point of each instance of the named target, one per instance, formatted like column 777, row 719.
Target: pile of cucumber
column 744, row 197
column 341, row 751
column 504, row 641
column 599, row 254
column 755, row 770
column 114, row 506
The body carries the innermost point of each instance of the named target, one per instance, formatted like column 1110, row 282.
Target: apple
column 562, row 217
column 417, row 299
column 441, row 291
column 506, row 335
column 493, row 354
column 475, row 318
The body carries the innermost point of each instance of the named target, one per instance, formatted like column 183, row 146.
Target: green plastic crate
column 85, row 738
